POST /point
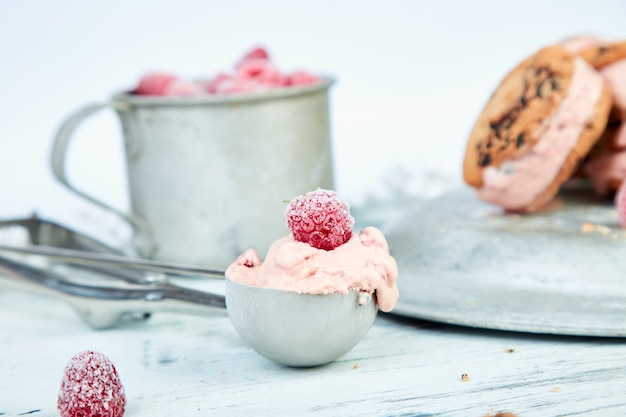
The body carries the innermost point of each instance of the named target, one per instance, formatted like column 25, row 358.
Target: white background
column 412, row 77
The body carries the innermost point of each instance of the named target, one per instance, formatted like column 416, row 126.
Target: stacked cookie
column 557, row 113
column 606, row 164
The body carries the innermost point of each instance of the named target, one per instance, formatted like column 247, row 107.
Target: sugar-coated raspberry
column 236, row 85
column 320, row 218
column 620, row 203
column 256, row 53
column 183, row 88
column 214, row 83
column 260, row 70
column 253, row 73
column 91, row 387
column 154, row 84
column 301, row 78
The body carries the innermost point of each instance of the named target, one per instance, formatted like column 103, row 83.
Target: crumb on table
column 501, row 414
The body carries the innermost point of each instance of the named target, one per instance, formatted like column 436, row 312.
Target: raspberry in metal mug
column 208, row 172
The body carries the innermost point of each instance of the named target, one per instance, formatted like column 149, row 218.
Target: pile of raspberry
column 320, row 218
column 255, row 72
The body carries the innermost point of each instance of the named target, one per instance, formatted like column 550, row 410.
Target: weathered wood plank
column 190, row 366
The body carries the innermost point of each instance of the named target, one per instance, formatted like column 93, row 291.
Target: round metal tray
column 465, row 262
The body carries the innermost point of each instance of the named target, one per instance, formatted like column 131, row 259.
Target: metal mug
column 208, row 175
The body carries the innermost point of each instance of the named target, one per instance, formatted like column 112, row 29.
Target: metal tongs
column 104, row 286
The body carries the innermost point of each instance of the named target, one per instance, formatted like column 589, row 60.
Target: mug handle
column 146, row 243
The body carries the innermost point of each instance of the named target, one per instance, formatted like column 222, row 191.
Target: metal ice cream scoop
column 292, row 329
column 299, row 329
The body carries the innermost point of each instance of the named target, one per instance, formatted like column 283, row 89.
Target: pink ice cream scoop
column 362, row 264
column 318, row 291
column 322, row 255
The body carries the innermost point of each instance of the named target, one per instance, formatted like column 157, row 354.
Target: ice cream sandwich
column 536, row 129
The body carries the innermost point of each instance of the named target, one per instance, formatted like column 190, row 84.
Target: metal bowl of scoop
column 300, row 330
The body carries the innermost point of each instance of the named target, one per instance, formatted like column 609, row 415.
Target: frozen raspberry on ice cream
column 154, row 84
column 91, row 387
column 620, row 204
column 320, row 218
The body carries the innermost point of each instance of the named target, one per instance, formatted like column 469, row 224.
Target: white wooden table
column 175, row 365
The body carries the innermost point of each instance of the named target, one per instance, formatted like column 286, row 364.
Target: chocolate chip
column 553, row 84
column 602, row 50
column 486, row 159
column 520, row 140
column 545, row 87
column 522, row 101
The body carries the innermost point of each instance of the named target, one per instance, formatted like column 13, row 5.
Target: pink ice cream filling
column 619, row 137
column 519, row 181
column 605, row 168
column 611, row 165
column 615, row 76
column 580, row 43
column 362, row 264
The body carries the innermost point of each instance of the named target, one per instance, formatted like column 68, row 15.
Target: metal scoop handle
column 104, row 303
column 78, row 257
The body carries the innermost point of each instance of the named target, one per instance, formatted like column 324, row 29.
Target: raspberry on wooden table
column 91, row 387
